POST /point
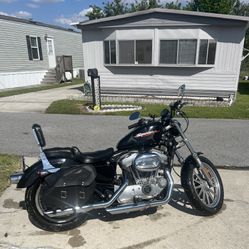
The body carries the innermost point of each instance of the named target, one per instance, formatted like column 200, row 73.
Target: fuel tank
column 145, row 136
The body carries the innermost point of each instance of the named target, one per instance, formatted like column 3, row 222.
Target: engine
column 147, row 173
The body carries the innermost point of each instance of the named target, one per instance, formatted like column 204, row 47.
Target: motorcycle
column 66, row 184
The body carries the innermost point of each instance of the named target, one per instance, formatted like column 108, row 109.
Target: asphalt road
column 225, row 142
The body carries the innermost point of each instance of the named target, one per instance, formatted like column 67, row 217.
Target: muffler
column 16, row 177
column 127, row 208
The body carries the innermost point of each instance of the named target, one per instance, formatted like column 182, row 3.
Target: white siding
column 222, row 77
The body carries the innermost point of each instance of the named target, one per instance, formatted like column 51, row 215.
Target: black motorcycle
column 66, row 184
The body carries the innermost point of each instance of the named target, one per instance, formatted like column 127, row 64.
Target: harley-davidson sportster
column 66, row 184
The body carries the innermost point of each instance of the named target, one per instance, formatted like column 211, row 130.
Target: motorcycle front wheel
column 44, row 222
column 206, row 198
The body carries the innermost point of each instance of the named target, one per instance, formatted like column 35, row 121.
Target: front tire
column 208, row 199
column 44, row 222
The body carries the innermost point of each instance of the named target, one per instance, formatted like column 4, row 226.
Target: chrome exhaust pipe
column 144, row 205
column 90, row 207
column 16, row 177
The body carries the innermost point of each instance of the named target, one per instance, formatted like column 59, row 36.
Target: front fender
column 188, row 161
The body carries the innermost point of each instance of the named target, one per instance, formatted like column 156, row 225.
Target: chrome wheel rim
column 208, row 195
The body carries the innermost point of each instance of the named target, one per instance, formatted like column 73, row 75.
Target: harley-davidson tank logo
column 146, row 134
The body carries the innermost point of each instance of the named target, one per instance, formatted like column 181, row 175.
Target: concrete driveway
column 176, row 225
column 38, row 101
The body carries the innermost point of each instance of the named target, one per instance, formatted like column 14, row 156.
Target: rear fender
column 30, row 175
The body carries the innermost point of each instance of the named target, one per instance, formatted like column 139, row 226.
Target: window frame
column 118, row 54
column 135, row 53
column 33, row 47
column 207, row 52
column 156, row 51
column 110, row 52
column 177, row 53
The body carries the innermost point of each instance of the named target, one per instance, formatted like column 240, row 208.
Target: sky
column 59, row 12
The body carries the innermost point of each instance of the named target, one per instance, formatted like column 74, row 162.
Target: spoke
column 201, row 192
column 197, row 187
column 207, row 197
column 210, row 196
column 211, row 191
column 197, row 181
column 198, row 177
column 204, row 197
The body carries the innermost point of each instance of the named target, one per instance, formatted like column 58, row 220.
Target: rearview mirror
column 134, row 116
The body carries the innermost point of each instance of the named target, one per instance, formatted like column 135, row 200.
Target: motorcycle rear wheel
column 208, row 199
column 44, row 222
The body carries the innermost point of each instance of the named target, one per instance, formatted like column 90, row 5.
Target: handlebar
column 140, row 122
column 133, row 125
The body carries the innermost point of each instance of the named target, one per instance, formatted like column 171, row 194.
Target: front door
column 51, row 53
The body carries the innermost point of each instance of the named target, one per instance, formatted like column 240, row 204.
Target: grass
column 22, row 90
column 239, row 110
column 8, row 165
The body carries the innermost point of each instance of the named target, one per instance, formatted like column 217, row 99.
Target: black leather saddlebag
column 70, row 187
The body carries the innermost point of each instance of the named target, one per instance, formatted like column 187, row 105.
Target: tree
column 114, row 8
column 144, row 5
column 213, row 6
column 173, row 5
column 95, row 13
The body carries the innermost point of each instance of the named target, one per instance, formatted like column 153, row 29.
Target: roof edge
column 164, row 10
column 38, row 23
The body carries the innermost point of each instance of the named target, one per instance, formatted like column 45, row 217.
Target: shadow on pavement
column 178, row 201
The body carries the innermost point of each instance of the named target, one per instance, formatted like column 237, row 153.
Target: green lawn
column 8, row 165
column 239, row 110
column 22, row 90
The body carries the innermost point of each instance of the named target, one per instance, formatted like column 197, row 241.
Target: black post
column 95, row 83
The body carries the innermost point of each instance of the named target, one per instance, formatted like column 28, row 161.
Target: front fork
column 193, row 153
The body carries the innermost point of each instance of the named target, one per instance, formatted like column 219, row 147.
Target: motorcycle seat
column 75, row 154
column 93, row 157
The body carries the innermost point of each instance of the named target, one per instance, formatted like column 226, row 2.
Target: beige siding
column 13, row 47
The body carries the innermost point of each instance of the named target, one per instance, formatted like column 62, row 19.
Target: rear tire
column 207, row 199
column 44, row 222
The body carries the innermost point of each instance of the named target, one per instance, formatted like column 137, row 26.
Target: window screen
column 168, row 51
column 207, row 52
column 34, row 48
column 110, row 52
column 107, row 52
column 143, row 52
column 126, row 52
column 113, row 52
column 203, row 52
column 211, row 52
column 187, row 51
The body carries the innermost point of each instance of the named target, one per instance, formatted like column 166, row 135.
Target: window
column 178, row 51
column 168, row 52
column 143, row 52
column 110, row 52
column 135, row 52
column 187, row 51
column 207, row 51
column 126, row 52
column 34, row 48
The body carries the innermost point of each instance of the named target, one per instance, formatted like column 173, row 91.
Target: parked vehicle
column 66, row 184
